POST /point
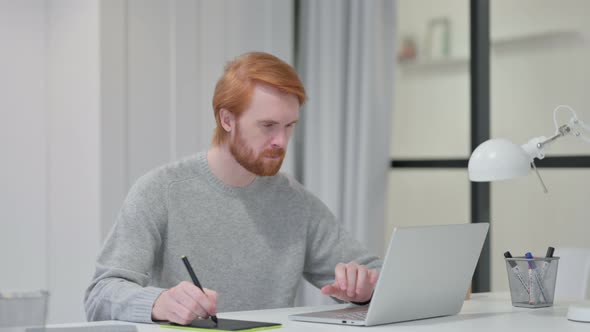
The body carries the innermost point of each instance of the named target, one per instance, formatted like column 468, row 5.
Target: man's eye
column 268, row 125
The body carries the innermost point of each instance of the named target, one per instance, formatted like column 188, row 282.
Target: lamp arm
column 561, row 131
column 579, row 126
column 576, row 126
column 535, row 148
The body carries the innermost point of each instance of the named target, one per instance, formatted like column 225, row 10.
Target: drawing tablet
column 224, row 325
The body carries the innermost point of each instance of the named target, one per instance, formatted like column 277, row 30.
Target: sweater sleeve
column 328, row 244
column 119, row 289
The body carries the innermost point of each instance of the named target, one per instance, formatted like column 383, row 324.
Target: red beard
column 259, row 165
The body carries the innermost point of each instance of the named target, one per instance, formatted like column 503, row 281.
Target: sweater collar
column 215, row 182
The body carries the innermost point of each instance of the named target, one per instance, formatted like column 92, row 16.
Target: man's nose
column 280, row 140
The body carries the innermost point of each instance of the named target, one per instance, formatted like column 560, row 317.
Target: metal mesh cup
column 19, row 310
column 532, row 281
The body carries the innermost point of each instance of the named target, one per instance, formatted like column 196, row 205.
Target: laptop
column 426, row 273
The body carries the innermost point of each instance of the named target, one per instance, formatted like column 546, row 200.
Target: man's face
column 263, row 130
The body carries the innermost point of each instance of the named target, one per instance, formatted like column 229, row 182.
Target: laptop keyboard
column 354, row 315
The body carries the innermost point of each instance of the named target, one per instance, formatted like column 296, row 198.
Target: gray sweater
column 250, row 244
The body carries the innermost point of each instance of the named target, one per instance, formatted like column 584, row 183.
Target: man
column 249, row 231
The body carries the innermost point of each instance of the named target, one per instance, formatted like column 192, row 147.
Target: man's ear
column 227, row 119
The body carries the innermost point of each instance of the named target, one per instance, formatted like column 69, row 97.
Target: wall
column 432, row 100
column 73, row 159
column 23, row 144
column 49, row 184
column 430, row 119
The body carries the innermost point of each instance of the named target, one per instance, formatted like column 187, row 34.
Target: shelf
column 535, row 37
column 434, row 63
column 529, row 39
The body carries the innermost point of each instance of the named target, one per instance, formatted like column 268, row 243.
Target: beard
column 256, row 164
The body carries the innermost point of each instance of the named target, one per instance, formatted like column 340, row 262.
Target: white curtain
column 346, row 59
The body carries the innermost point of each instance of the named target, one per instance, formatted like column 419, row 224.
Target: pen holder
column 532, row 281
column 21, row 310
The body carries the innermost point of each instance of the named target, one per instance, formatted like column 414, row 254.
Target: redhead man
column 249, row 231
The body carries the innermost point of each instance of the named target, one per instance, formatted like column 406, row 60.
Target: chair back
column 21, row 310
column 573, row 274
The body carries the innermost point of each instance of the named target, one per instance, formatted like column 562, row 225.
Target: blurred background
column 93, row 94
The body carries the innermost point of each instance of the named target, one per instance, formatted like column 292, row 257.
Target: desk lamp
column 499, row 159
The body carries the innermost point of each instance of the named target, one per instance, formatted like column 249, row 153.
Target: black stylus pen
column 189, row 268
column 546, row 263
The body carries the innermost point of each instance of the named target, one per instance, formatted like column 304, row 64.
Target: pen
column 546, row 263
column 550, row 251
column 533, row 268
column 516, row 270
column 531, row 287
column 189, row 268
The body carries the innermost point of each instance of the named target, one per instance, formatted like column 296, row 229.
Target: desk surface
column 487, row 311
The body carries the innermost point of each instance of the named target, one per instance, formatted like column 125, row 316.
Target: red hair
column 234, row 89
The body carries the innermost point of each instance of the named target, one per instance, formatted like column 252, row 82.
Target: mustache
column 274, row 152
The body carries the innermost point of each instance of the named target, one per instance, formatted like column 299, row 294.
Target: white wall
column 92, row 95
column 23, row 144
column 74, row 156
column 430, row 119
column 49, row 122
column 432, row 102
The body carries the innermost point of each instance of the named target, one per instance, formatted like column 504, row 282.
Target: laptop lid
column 425, row 273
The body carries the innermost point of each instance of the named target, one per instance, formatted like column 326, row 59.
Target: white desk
column 487, row 312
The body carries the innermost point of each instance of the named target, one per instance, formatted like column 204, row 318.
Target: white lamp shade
column 498, row 159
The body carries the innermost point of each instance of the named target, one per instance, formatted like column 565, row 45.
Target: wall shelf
column 534, row 36
column 442, row 62
column 496, row 42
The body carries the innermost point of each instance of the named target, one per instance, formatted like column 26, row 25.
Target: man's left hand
column 354, row 283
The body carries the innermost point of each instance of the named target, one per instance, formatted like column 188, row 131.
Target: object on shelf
column 438, row 38
column 407, row 50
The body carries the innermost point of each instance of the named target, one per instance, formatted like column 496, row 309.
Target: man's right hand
column 184, row 303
